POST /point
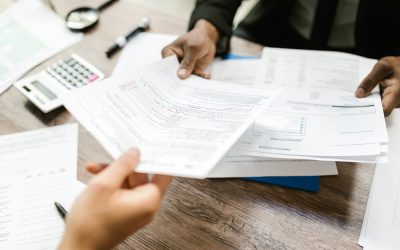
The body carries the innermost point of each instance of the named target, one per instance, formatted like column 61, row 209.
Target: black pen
column 61, row 210
column 122, row 40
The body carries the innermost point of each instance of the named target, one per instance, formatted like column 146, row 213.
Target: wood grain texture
column 209, row 214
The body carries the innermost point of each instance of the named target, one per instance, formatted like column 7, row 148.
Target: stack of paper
column 29, row 34
column 202, row 128
column 317, row 115
column 183, row 127
column 147, row 49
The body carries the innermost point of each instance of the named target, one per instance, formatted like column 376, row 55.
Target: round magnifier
column 85, row 18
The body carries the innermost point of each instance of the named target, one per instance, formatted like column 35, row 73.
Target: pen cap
column 144, row 23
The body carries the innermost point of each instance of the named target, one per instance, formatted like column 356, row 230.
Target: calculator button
column 68, row 60
column 93, row 77
column 67, row 67
column 57, row 69
column 63, row 74
column 70, row 78
column 84, row 70
column 72, row 64
column 81, row 78
column 83, row 74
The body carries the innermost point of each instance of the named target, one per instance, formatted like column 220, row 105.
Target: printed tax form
column 36, row 168
column 317, row 115
column 182, row 127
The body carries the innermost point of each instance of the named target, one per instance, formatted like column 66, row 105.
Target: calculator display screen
column 45, row 91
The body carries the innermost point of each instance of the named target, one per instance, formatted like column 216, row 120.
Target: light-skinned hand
column 116, row 203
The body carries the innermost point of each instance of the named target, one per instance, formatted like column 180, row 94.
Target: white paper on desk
column 382, row 158
column 182, row 127
column 36, row 168
column 317, row 103
column 381, row 228
column 242, row 71
column 146, row 48
column 317, row 123
column 247, row 166
column 239, row 71
column 312, row 69
column 141, row 51
column 29, row 34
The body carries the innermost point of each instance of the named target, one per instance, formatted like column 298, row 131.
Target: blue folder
column 306, row 183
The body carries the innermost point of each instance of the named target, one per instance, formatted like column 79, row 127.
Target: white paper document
column 243, row 72
column 299, row 118
column 317, row 115
column 312, row 69
column 145, row 49
column 36, row 168
column 29, row 34
column 381, row 226
column 239, row 71
column 182, row 127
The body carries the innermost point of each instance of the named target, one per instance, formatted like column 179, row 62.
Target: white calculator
column 46, row 89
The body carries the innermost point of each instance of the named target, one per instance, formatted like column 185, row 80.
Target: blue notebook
column 306, row 183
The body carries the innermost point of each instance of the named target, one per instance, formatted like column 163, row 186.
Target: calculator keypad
column 71, row 73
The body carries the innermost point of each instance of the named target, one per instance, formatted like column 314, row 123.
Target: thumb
column 188, row 63
column 116, row 173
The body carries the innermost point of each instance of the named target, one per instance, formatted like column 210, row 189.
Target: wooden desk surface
column 209, row 214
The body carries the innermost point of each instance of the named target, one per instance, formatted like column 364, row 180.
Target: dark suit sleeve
column 218, row 12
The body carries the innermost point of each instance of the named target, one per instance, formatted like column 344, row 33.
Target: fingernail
column 360, row 92
column 182, row 72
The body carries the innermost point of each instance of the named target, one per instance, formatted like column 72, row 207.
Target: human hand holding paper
column 386, row 72
column 116, row 203
column 195, row 49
